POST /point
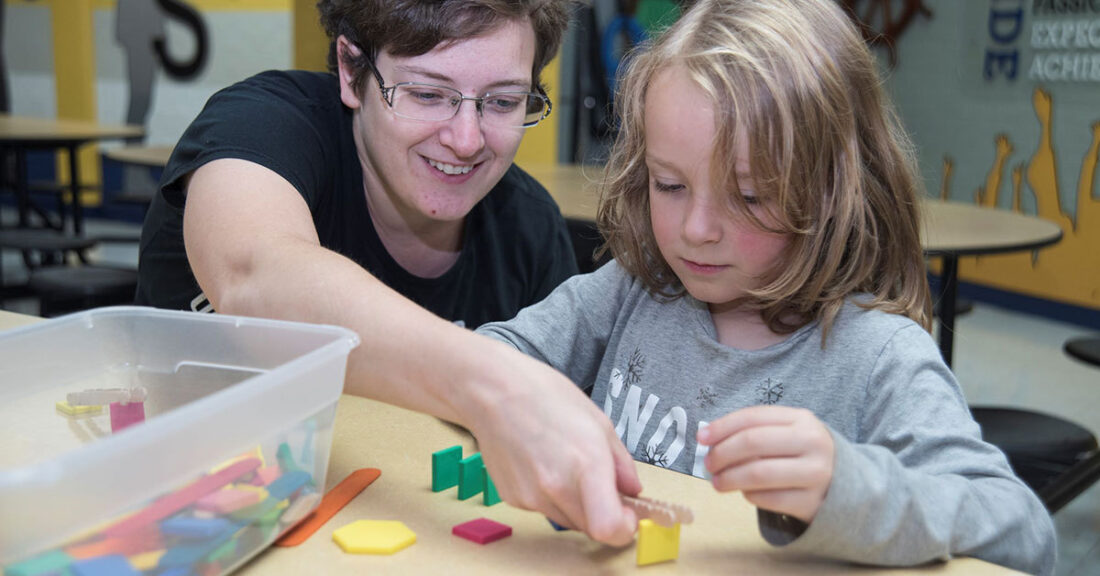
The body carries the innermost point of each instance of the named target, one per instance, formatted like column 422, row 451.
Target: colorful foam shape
column 70, row 410
column 134, row 543
column 374, row 537
column 266, row 475
column 445, row 468
column 277, row 492
column 54, row 561
column 176, row 501
column 224, row 551
column 482, row 530
column 126, row 415
column 229, row 500
column 113, row 565
column 557, row 527
column 337, row 498
column 286, row 459
column 657, row 543
column 490, row 496
column 300, row 508
column 194, row 528
column 146, row 560
column 471, row 479
column 186, row 555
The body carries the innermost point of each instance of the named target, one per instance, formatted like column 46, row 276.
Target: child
column 765, row 320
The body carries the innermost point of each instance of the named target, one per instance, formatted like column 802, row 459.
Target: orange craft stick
column 336, row 499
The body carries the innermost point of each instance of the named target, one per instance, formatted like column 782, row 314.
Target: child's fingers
column 749, row 418
column 774, row 474
column 772, row 441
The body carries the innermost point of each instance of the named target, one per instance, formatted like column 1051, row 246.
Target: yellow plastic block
column 374, row 537
column 657, row 543
column 71, row 410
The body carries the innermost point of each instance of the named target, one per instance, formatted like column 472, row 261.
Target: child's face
column 715, row 254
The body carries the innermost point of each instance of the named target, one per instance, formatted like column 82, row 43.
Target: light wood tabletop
column 966, row 229
column 723, row 539
column 45, row 131
column 573, row 186
column 152, row 156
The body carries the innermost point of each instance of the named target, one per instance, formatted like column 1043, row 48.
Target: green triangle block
column 471, row 473
column 445, row 468
column 490, row 497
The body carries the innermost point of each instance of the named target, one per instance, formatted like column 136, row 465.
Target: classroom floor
column 1001, row 358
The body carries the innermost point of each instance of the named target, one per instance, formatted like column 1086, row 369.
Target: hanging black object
column 190, row 18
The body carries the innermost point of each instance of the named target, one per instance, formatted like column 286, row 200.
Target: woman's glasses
column 432, row 103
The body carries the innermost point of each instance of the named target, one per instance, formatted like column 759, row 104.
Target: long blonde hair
column 796, row 80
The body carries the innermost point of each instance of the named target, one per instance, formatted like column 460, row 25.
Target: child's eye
column 750, row 199
column 662, row 187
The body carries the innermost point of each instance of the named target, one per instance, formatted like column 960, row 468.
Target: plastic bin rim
column 91, row 315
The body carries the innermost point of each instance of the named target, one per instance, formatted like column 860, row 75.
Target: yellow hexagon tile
column 374, row 537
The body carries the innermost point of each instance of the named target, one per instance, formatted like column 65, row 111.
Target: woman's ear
column 346, row 50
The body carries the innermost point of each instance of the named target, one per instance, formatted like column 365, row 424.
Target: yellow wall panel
column 310, row 40
column 74, row 71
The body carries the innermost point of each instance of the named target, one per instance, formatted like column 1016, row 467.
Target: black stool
column 45, row 241
column 1057, row 458
column 64, row 289
column 49, row 246
column 1084, row 349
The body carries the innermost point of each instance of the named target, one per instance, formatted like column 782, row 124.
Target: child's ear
column 346, row 50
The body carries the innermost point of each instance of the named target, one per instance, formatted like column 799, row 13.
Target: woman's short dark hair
column 415, row 27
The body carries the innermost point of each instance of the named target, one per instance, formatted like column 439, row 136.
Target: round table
column 952, row 229
column 20, row 134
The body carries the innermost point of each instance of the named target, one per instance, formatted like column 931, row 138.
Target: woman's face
column 429, row 172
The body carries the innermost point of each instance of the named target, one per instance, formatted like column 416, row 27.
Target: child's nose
column 702, row 222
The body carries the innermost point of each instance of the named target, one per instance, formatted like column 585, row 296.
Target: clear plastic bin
column 232, row 450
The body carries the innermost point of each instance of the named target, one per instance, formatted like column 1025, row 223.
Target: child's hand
column 780, row 458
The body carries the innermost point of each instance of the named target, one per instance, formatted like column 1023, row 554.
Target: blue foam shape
column 556, row 526
column 277, row 491
column 287, row 484
column 194, row 528
column 177, row 556
column 113, row 565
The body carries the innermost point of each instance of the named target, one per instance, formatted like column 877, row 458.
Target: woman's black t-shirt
column 516, row 248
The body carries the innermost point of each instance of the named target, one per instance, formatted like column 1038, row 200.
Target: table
column 142, row 156
column 151, row 156
column 573, row 186
column 20, row 134
column 950, row 230
column 368, row 434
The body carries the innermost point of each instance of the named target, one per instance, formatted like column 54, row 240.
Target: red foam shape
column 482, row 530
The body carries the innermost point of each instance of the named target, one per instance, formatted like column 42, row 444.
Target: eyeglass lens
column 435, row 103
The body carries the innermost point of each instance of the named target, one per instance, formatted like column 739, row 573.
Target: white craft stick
column 101, row 396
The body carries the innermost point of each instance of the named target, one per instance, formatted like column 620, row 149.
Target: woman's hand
column 549, row 448
column 780, row 458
